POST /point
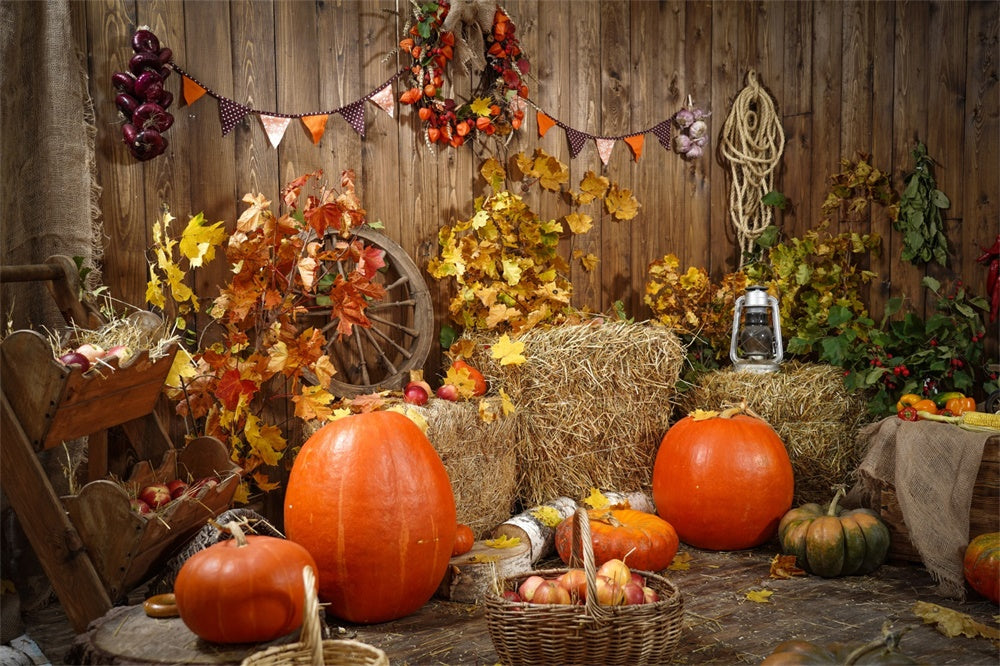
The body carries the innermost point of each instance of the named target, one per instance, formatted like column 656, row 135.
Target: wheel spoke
column 356, row 334
column 381, row 305
column 381, row 354
column 412, row 332
column 401, row 280
column 405, row 352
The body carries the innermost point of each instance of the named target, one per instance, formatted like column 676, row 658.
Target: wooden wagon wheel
column 380, row 357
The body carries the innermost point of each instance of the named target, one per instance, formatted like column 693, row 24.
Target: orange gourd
column 370, row 499
column 643, row 540
column 474, row 375
column 981, row 565
column 464, row 538
column 722, row 480
column 247, row 589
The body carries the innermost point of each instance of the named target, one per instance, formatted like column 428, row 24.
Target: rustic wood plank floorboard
column 721, row 626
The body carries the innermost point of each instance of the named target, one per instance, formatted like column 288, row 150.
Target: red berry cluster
column 492, row 110
column 142, row 99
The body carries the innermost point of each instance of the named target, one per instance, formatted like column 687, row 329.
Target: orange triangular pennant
column 545, row 123
column 316, row 126
column 192, row 91
column 635, row 143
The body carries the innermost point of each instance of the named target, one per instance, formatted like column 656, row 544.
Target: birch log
column 534, row 526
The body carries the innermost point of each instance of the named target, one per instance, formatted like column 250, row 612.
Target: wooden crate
column 125, row 547
column 984, row 514
column 56, row 404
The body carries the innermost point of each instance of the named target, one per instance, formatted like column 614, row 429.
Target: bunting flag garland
column 605, row 144
column 231, row 113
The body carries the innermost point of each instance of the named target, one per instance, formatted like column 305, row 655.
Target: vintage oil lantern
column 756, row 342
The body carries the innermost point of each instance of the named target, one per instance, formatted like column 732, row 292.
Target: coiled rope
column 752, row 142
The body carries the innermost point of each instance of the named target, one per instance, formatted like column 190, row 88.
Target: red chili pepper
column 990, row 253
column 908, row 413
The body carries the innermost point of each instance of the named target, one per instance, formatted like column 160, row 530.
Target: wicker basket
column 310, row 650
column 524, row 633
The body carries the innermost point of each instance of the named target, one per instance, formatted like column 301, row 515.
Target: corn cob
column 979, row 421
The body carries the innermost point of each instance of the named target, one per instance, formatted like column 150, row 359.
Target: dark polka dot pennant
column 354, row 114
column 662, row 132
column 230, row 113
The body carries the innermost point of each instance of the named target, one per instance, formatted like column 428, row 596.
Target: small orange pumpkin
column 643, row 540
column 464, row 538
column 981, row 565
column 474, row 375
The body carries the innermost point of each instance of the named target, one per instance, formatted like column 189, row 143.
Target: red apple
column 177, row 487
column 550, row 592
column 448, row 392
column 617, row 571
column 528, row 587
column 415, row 394
column 609, row 593
column 155, row 495
column 650, row 594
column 139, row 506
column 634, row 594
column 575, row 582
column 638, row 579
column 511, row 595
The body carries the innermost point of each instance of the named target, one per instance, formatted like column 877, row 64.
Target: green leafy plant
column 857, row 187
column 819, row 281
column 920, row 209
column 910, row 354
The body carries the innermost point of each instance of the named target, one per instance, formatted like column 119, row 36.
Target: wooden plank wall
column 846, row 77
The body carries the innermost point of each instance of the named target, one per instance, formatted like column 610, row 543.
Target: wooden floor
column 721, row 625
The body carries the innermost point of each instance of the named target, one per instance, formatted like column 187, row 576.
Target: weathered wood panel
column 847, row 77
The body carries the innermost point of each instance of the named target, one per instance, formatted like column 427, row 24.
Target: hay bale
column 480, row 460
column 809, row 408
column 592, row 404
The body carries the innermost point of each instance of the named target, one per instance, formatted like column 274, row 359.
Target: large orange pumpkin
column 644, row 540
column 981, row 565
column 369, row 497
column 247, row 589
column 722, row 480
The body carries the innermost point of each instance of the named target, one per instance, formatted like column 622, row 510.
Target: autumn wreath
column 480, row 36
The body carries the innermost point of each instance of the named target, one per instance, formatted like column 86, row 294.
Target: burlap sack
column 933, row 468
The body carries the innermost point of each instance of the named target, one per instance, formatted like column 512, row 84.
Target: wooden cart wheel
column 400, row 337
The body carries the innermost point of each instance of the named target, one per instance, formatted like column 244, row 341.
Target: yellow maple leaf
column 263, row 483
column 199, row 239
column 182, row 369
column 256, row 213
column 551, row 172
column 264, row 440
column 579, row 223
column 952, row 623
column 760, row 596
column 313, row 403
column 462, row 348
column 461, row 380
column 507, row 403
column 411, row 413
column 481, row 106
column 621, row 204
column 591, row 187
column 681, row 562
column 324, row 370
column 154, row 290
column 511, row 270
column 507, row 351
column 596, row 500
column 503, row 541
column 703, row 414
column 589, row 261
column 494, row 173
column 500, row 313
column 487, row 412
column 242, row 494
column 547, row 515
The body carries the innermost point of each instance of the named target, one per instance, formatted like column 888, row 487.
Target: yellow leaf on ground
column 951, row 623
column 760, row 596
column 681, row 562
column 783, row 567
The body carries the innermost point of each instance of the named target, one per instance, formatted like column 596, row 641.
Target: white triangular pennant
column 385, row 100
column 274, row 127
column 604, row 147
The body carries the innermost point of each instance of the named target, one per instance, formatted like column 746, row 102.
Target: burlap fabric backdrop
column 933, row 468
column 48, row 192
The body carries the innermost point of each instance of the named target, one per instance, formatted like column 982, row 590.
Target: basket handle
column 310, row 635
column 583, row 541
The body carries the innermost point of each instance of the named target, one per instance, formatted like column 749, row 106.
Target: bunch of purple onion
column 141, row 99
column 690, row 142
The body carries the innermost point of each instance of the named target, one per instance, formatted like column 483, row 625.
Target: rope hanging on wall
column 752, row 143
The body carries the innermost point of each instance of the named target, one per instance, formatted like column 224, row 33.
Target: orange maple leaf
column 783, row 567
column 231, row 387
